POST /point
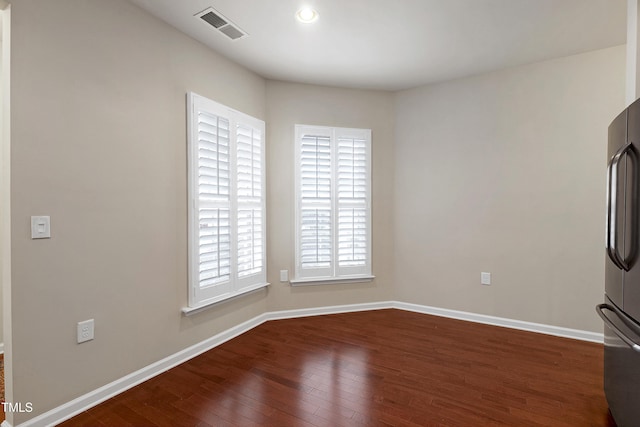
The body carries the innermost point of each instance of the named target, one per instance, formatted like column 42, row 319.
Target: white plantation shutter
column 316, row 231
column 227, row 209
column 353, row 212
column 250, row 190
column 214, row 239
column 333, row 216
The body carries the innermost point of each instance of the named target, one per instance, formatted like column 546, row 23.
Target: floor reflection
column 337, row 384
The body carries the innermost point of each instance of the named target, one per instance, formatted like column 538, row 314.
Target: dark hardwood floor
column 376, row 368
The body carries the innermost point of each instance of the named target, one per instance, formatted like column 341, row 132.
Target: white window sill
column 188, row 311
column 331, row 280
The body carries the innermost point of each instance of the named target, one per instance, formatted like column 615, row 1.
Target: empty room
column 319, row 213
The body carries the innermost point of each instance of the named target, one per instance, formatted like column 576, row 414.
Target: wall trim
column 93, row 398
column 558, row 331
column 334, row 309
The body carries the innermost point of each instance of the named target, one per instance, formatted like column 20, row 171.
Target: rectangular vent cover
column 222, row 24
column 214, row 19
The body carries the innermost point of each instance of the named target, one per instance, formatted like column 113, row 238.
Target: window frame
column 199, row 298
column 335, row 273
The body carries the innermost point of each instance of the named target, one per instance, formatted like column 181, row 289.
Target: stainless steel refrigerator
column 621, row 308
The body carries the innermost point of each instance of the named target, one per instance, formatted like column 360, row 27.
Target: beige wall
column 99, row 144
column 505, row 173
column 289, row 104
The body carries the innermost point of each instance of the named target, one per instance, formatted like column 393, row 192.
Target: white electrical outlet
column 284, row 275
column 485, row 278
column 85, row 331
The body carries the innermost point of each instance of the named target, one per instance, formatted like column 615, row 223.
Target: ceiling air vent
column 220, row 23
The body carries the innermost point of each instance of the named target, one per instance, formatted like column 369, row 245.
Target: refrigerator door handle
column 608, row 218
column 631, row 343
column 612, row 209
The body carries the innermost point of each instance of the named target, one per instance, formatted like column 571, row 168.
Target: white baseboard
column 501, row 321
column 84, row 402
column 335, row 309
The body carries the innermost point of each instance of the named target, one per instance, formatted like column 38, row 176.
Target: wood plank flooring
column 376, row 368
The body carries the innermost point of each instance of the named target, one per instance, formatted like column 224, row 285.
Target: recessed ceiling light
column 307, row 15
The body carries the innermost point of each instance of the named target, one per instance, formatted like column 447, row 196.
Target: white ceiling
column 398, row 44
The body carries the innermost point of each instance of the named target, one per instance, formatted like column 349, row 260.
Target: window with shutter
column 333, row 204
column 227, row 205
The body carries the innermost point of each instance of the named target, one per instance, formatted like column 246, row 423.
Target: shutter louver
column 213, row 157
column 352, row 169
column 249, row 155
column 352, row 237
column 250, row 254
column 315, row 238
column 315, row 168
column 215, row 249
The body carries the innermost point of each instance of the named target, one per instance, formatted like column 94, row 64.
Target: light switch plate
column 40, row 227
column 284, row 275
